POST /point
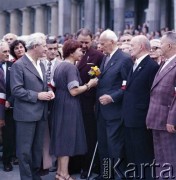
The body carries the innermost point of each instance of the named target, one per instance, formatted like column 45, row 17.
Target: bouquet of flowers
column 94, row 71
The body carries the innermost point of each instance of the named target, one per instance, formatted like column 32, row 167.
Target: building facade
column 58, row 17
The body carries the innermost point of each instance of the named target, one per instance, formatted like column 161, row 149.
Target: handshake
column 46, row 96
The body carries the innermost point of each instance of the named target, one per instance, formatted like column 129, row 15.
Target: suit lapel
column 86, row 59
column 162, row 74
column 111, row 63
column 43, row 71
column 31, row 67
column 139, row 68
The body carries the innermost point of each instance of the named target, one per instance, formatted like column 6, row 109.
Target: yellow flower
column 94, row 71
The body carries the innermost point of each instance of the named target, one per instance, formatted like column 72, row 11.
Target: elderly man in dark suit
column 91, row 57
column 138, row 140
column 29, row 87
column 114, row 70
column 2, row 98
column 161, row 117
column 8, row 131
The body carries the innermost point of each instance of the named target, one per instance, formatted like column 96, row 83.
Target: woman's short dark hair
column 14, row 44
column 70, row 47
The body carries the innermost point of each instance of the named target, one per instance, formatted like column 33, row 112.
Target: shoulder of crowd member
column 125, row 55
column 94, row 51
column 9, row 62
column 154, row 63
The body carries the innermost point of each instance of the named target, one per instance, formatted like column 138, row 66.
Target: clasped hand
column 105, row 99
column 46, row 96
column 93, row 82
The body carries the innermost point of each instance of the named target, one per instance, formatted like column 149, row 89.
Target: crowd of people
column 53, row 113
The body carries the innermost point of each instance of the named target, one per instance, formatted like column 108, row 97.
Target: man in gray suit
column 29, row 87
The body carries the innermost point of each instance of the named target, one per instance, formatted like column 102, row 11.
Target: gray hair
column 35, row 39
column 11, row 34
column 3, row 42
column 171, row 36
column 110, row 35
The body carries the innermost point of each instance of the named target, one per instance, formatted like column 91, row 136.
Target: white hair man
column 29, row 87
column 114, row 70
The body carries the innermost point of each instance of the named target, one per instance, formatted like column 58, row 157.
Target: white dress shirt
column 36, row 65
column 138, row 61
column 167, row 62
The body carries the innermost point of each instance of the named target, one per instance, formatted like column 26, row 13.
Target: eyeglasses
column 154, row 48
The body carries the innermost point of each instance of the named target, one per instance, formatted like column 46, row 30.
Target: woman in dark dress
column 67, row 132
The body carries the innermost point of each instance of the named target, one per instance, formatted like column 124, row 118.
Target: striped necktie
column 107, row 60
column 48, row 71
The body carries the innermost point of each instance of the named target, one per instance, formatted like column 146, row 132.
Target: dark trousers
column 111, row 146
column 8, row 135
column 29, row 142
column 139, row 150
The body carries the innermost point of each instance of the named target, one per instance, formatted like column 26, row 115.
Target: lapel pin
column 139, row 68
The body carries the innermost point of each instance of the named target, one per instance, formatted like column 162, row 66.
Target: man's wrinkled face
column 135, row 48
column 106, row 45
column 10, row 38
column 41, row 49
column 4, row 52
column 86, row 42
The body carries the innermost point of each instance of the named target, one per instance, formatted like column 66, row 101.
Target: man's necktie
column 163, row 65
column 134, row 66
column 48, row 71
column 107, row 60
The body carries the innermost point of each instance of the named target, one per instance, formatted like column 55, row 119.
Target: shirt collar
column 140, row 59
column 30, row 58
column 171, row 58
column 112, row 53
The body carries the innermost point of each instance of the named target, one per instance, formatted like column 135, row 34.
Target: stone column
column 119, row 15
column 26, row 21
column 89, row 14
column 163, row 17
column 102, row 11
column 174, row 5
column 64, row 17
column 154, row 15
column 74, row 17
column 97, row 15
column 39, row 25
column 15, row 22
column 54, row 18
column 3, row 24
